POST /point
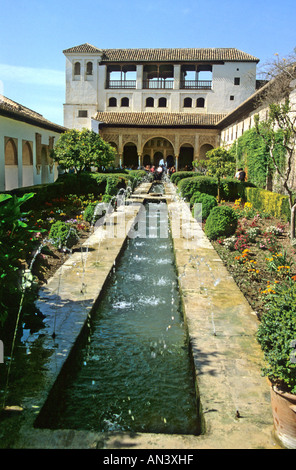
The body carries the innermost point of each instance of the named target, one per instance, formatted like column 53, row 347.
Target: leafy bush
column 204, row 184
column 95, row 211
column 179, row 175
column 16, row 244
column 230, row 189
column 63, row 235
column 222, row 222
column 207, row 201
column 276, row 333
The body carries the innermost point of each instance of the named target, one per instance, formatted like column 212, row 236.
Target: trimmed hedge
column 83, row 183
column 231, row 189
column 274, row 204
column 203, row 184
column 179, row 175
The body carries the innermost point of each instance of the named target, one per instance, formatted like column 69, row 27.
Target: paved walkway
column 234, row 398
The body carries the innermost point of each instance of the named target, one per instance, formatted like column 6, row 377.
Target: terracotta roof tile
column 158, row 119
column 171, row 55
column 83, row 48
column 22, row 112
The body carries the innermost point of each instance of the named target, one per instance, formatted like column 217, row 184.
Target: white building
column 154, row 103
column 26, row 139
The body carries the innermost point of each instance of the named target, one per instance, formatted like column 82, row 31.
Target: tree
column 82, row 149
column 281, row 118
column 280, row 126
column 219, row 163
column 280, row 75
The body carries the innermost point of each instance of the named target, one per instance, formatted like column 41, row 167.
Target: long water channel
column 134, row 373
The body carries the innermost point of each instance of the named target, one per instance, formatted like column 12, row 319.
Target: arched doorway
column 186, row 157
column 11, row 165
column 156, row 149
column 130, row 156
column 203, row 151
column 28, row 179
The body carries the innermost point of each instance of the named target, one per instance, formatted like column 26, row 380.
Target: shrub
column 222, row 222
column 204, row 184
column 63, row 235
column 90, row 214
column 274, row 204
column 179, row 175
column 16, row 243
column 207, row 201
column 230, row 189
column 276, row 333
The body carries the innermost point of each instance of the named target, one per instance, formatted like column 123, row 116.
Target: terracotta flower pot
column 284, row 416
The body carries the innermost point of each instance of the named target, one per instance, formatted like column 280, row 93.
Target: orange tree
column 82, row 150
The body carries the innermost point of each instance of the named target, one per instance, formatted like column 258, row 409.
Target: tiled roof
column 84, row 48
column 15, row 110
column 171, row 55
column 158, row 119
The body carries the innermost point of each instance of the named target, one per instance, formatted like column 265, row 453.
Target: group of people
column 159, row 170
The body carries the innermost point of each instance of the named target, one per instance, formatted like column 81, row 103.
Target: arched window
column 162, row 102
column 124, row 102
column 77, row 68
column 187, row 102
column 10, row 153
column 149, row 102
column 89, row 68
column 112, row 102
column 200, row 103
column 27, row 154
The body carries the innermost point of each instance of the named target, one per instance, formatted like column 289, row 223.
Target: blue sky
column 34, row 33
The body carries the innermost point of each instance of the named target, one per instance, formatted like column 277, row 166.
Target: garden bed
column 260, row 254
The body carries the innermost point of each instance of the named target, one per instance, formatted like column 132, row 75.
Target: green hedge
column 230, row 189
column 203, row 184
column 179, row 175
column 274, row 204
column 84, row 183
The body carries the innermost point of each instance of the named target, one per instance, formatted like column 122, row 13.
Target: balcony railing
column 158, row 84
column 196, row 84
column 121, row 84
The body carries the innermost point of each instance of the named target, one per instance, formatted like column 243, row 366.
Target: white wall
column 13, row 176
column 89, row 94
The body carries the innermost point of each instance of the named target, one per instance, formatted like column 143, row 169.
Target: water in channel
column 135, row 372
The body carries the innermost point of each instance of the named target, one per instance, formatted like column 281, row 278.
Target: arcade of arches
column 17, row 175
column 136, row 150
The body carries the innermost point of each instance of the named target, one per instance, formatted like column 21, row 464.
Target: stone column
column 177, row 162
column 139, row 84
column 177, row 76
column 140, row 159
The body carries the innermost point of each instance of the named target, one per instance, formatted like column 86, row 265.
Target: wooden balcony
column 121, row 84
column 159, row 84
column 196, row 84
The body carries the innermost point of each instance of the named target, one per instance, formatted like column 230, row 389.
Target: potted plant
column 277, row 337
